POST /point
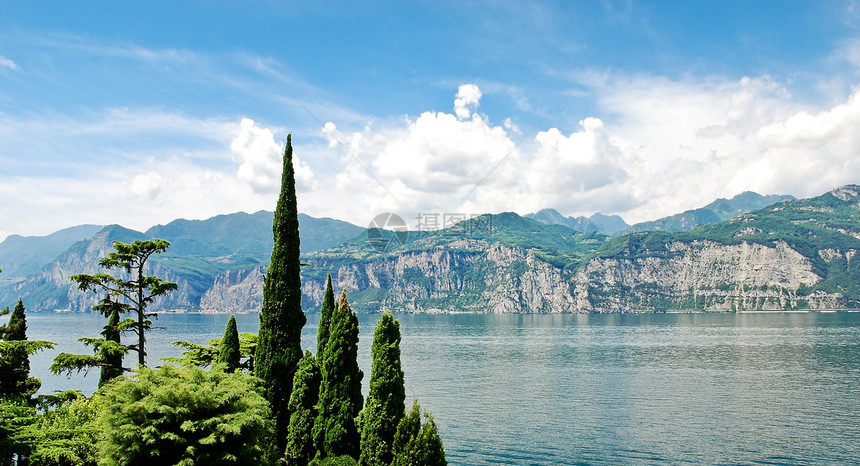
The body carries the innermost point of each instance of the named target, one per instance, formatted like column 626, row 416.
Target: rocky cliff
column 798, row 254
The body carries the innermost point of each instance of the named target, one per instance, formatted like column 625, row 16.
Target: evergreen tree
column 206, row 355
column 417, row 444
column 138, row 290
column 230, row 356
column 303, row 411
column 279, row 347
column 15, row 380
column 108, row 351
column 335, row 431
column 325, row 318
column 186, row 416
column 112, row 352
column 386, row 400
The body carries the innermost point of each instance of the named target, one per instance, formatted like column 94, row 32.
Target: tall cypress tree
column 279, row 347
column 230, row 356
column 15, row 380
column 325, row 318
column 386, row 400
column 335, row 431
column 303, row 412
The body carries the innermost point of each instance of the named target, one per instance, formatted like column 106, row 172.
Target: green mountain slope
column 200, row 252
column 791, row 255
column 23, row 255
column 715, row 212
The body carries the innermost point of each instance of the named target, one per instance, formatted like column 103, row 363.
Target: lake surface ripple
column 593, row 389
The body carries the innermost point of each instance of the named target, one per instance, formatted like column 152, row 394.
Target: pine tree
column 138, row 291
column 386, row 400
column 303, row 411
column 230, row 356
column 113, row 352
column 335, row 431
column 417, row 444
column 279, row 347
column 325, row 318
column 15, row 380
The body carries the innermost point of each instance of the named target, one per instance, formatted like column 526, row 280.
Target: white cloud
column 262, row 160
column 466, row 102
column 9, row 64
column 671, row 146
column 146, row 186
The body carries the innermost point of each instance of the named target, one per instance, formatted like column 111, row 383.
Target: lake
column 779, row 388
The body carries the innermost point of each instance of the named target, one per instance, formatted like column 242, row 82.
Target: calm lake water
column 586, row 389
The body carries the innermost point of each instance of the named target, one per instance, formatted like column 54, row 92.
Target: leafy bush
column 184, row 416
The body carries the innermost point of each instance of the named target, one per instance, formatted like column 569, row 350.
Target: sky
column 138, row 113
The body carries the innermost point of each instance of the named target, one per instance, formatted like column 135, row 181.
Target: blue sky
column 141, row 112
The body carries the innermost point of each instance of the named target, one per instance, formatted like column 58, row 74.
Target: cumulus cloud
column 8, row 63
column 146, row 186
column 466, row 102
column 670, row 145
column 261, row 159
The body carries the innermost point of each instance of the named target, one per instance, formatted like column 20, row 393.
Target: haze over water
column 566, row 389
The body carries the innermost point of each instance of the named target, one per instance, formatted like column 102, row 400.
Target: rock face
column 800, row 254
column 703, row 276
column 236, row 292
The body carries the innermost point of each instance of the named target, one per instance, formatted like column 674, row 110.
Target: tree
column 279, row 348
column 185, row 415
column 137, row 289
column 207, row 355
column 15, row 351
column 417, row 444
column 386, row 399
column 230, row 356
column 66, row 435
column 325, row 317
column 335, row 431
column 108, row 351
column 303, row 411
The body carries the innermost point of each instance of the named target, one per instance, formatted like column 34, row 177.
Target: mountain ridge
column 796, row 254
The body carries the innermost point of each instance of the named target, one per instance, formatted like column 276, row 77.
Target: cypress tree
column 279, row 347
column 335, row 431
column 325, row 318
column 303, row 411
column 386, row 400
column 416, row 443
column 230, row 356
column 15, row 380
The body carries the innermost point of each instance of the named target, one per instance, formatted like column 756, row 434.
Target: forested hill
column 795, row 254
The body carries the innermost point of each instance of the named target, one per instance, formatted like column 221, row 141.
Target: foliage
column 335, row 431
column 386, row 400
column 344, row 460
column 303, row 411
column 66, row 435
column 107, row 351
column 281, row 318
column 137, row 290
column 325, row 317
column 15, row 351
column 207, row 355
column 14, row 417
column 230, row 356
column 184, row 416
column 417, row 444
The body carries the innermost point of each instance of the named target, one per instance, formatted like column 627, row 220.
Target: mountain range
column 786, row 254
